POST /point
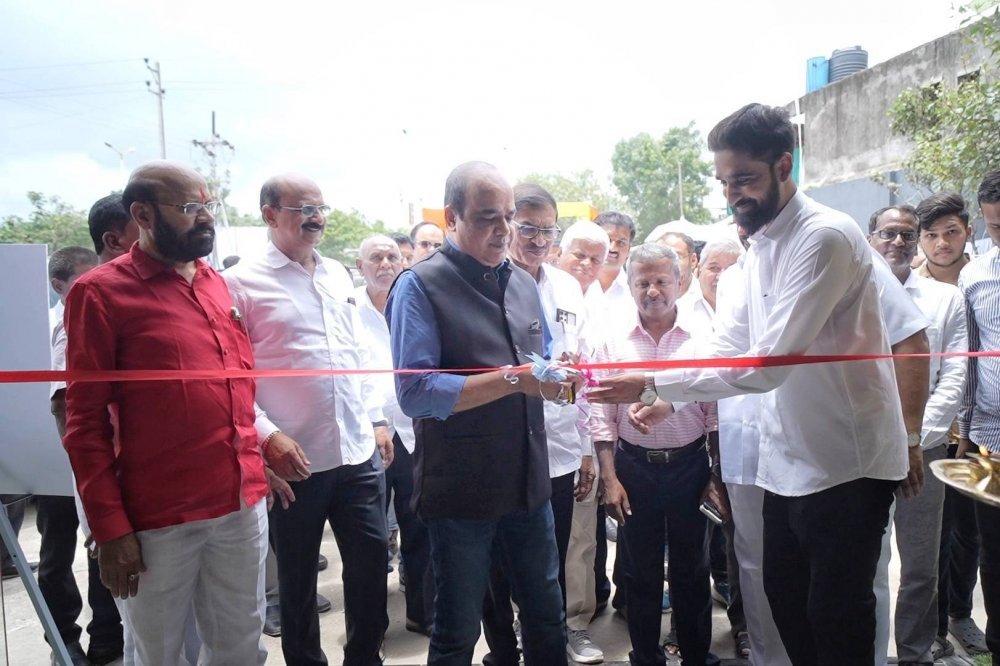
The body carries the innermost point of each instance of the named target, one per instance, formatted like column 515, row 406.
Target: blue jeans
column 461, row 552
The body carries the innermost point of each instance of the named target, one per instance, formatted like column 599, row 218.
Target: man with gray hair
column 716, row 257
column 654, row 462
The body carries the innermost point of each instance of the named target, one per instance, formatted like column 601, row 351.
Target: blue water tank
column 845, row 62
column 817, row 73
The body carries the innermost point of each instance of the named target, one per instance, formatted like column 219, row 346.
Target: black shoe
column 76, row 655
column 10, row 571
column 272, row 621
column 323, row 563
column 99, row 656
column 322, row 603
column 417, row 628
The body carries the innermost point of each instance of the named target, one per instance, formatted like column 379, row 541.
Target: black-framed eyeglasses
column 530, row 231
column 195, row 208
column 890, row 235
column 309, row 210
column 428, row 245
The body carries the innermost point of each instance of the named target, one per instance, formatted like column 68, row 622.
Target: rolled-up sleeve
column 416, row 345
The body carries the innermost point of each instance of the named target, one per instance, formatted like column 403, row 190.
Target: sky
column 378, row 101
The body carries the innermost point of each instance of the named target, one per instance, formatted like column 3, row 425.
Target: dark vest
column 491, row 460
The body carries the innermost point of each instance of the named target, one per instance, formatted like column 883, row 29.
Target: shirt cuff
column 963, row 429
column 447, row 389
column 264, row 428
column 670, row 385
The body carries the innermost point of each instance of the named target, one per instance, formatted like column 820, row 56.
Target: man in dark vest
column 480, row 463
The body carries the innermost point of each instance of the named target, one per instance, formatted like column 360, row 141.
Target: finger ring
column 133, row 577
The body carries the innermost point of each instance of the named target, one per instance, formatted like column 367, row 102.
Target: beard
column 761, row 213
column 195, row 243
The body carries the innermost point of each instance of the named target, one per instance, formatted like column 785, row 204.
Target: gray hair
column 726, row 247
column 585, row 230
column 647, row 253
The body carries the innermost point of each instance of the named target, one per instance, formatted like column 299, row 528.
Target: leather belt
column 664, row 456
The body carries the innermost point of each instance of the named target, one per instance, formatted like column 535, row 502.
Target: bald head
column 162, row 180
column 271, row 190
column 463, row 177
column 379, row 261
column 374, row 239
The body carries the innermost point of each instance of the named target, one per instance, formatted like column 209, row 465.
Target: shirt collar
column 146, row 266
column 468, row 262
column 680, row 322
column 912, row 280
column 275, row 258
column 783, row 219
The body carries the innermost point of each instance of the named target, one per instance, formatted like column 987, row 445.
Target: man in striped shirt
column 979, row 417
column 655, row 468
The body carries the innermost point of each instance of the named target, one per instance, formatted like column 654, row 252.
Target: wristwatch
column 648, row 395
column 912, row 439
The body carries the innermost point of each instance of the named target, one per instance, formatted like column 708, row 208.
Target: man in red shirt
column 169, row 472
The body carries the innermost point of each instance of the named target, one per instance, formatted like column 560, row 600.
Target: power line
column 67, row 64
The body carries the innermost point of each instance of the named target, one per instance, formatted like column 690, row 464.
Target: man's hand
column 964, row 446
column 616, row 499
column 286, row 458
column 914, row 480
column 585, row 480
column 383, row 440
column 715, row 492
column 618, row 389
column 121, row 563
column 279, row 489
column 643, row 418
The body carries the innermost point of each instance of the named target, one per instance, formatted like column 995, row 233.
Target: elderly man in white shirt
column 698, row 305
column 833, row 438
column 380, row 261
column 893, row 233
column 326, row 434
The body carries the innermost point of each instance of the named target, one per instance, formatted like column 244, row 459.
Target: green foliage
column 238, row 219
column 344, row 233
column 576, row 186
column 52, row 222
column 955, row 128
column 646, row 173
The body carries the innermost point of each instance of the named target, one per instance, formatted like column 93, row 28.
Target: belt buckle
column 658, row 457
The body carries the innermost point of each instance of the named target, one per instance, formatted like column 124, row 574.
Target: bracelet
column 560, row 398
column 267, row 441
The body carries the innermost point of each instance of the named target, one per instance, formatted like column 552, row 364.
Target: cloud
column 75, row 177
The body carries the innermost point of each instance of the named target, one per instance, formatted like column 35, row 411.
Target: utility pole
column 159, row 92
column 212, row 149
column 121, row 156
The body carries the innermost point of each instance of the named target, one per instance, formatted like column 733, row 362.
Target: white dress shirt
column 608, row 309
column 566, row 426
column 377, row 332
column 808, row 289
column 696, row 311
column 947, row 332
column 300, row 321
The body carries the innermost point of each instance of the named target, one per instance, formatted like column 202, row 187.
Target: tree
column 52, row 222
column 955, row 129
column 344, row 233
column 577, row 186
column 646, row 173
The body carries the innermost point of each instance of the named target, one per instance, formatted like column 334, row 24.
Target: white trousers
column 215, row 566
column 581, row 597
column 883, row 611
column 747, row 504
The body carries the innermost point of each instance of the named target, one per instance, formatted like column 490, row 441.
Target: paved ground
column 21, row 642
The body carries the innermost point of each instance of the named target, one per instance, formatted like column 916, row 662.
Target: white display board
column 32, row 459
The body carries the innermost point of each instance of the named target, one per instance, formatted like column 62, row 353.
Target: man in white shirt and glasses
column 833, row 442
column 893, row 233
column 326, row 435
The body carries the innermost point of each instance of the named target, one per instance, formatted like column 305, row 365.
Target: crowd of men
column 206, row 498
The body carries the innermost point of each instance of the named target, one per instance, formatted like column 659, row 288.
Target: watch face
column 647, row 397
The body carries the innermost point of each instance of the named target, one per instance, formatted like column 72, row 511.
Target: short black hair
column 63, row 262
column 532, row 195
column 401, row 238
column 936, row 206
column 613, row 218
column 139, row 189
column 417, row 226
column 903, row 209
column 764, row 133
column 107, row 214
column 989, row 189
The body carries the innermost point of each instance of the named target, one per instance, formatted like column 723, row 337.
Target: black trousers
column 820, row 555
column 602, row 585
column 498, row 613
column 988, row 519
column 958, row 562
column 415, row 543
column 57, row 523
column 352, row 499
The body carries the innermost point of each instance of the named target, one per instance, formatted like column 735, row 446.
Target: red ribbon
column 29, row 376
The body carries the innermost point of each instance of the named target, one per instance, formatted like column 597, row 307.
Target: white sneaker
column 581, row 649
